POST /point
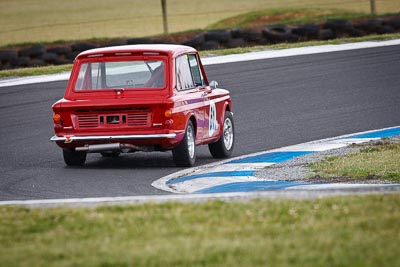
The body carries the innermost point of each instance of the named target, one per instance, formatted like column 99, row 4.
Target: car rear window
column 121, row 74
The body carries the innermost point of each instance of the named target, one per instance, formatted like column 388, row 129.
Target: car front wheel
column 185, row 153
column 74, row 158
column 224, row 146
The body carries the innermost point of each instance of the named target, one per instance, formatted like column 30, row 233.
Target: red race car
column 142, row 98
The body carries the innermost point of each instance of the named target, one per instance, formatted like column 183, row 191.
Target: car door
column 209, row 124
column 189, row 86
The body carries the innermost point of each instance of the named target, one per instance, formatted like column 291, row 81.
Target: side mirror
column 213, row 85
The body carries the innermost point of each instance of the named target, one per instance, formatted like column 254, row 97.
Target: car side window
column 194, row 66
column 184, row 79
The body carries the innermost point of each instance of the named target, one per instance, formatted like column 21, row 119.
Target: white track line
column 193, row 198
column 309, row 50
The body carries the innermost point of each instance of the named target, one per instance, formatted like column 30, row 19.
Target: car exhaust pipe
column 99, row 148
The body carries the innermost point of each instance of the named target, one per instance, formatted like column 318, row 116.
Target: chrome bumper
column 69, row 139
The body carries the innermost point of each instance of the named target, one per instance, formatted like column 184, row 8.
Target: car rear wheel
column 185, row 153
column 74, row 158
column 224, row 146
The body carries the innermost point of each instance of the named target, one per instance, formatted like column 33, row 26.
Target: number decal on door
column 212, row 122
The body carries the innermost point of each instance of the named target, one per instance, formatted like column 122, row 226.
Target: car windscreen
column 134, row 74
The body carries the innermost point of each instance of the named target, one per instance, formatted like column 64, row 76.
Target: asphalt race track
column 277, row 102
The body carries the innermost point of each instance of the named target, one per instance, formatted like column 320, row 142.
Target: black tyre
column 220, row 36
column 34, row 51
column 82, row 46
column 224, row 146
column 74, row 158
column 279, row 34
column 8, row 55
column 338, row 25
column 60, row 50
column 185, row 153
column 307, row 31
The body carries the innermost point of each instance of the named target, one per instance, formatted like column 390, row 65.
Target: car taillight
column 169, row 122
column 57, row 118
column 168, row 113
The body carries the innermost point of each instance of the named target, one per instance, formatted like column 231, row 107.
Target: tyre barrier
column 248, row 35
column 338, row 25
column 307, row 31
column 197, row 41
column 280, row 34
column 57, row 54
column 219, row 36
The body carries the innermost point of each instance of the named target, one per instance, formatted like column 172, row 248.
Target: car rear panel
column 116, row 117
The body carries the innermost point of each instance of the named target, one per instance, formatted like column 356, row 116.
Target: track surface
column 277, row 102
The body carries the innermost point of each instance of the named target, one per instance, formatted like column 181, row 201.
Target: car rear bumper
column 71, row 138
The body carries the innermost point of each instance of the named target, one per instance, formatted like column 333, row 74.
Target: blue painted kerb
column 271, row 157
column 250, row 187
column 268, row 157
column 379, row 134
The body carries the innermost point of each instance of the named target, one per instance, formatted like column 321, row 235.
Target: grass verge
column 345, row 231
column 35, row 71
column 378, row 162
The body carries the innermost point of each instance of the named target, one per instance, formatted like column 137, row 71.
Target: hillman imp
column 142, row 98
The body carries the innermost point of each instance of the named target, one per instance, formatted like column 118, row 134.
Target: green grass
column 35, row 71
column 26, row 21
column 381, row 161
column 347, row 231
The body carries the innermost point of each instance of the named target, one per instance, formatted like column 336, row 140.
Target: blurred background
column 28, row 21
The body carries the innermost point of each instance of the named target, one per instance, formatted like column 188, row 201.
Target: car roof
column 172, row 50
